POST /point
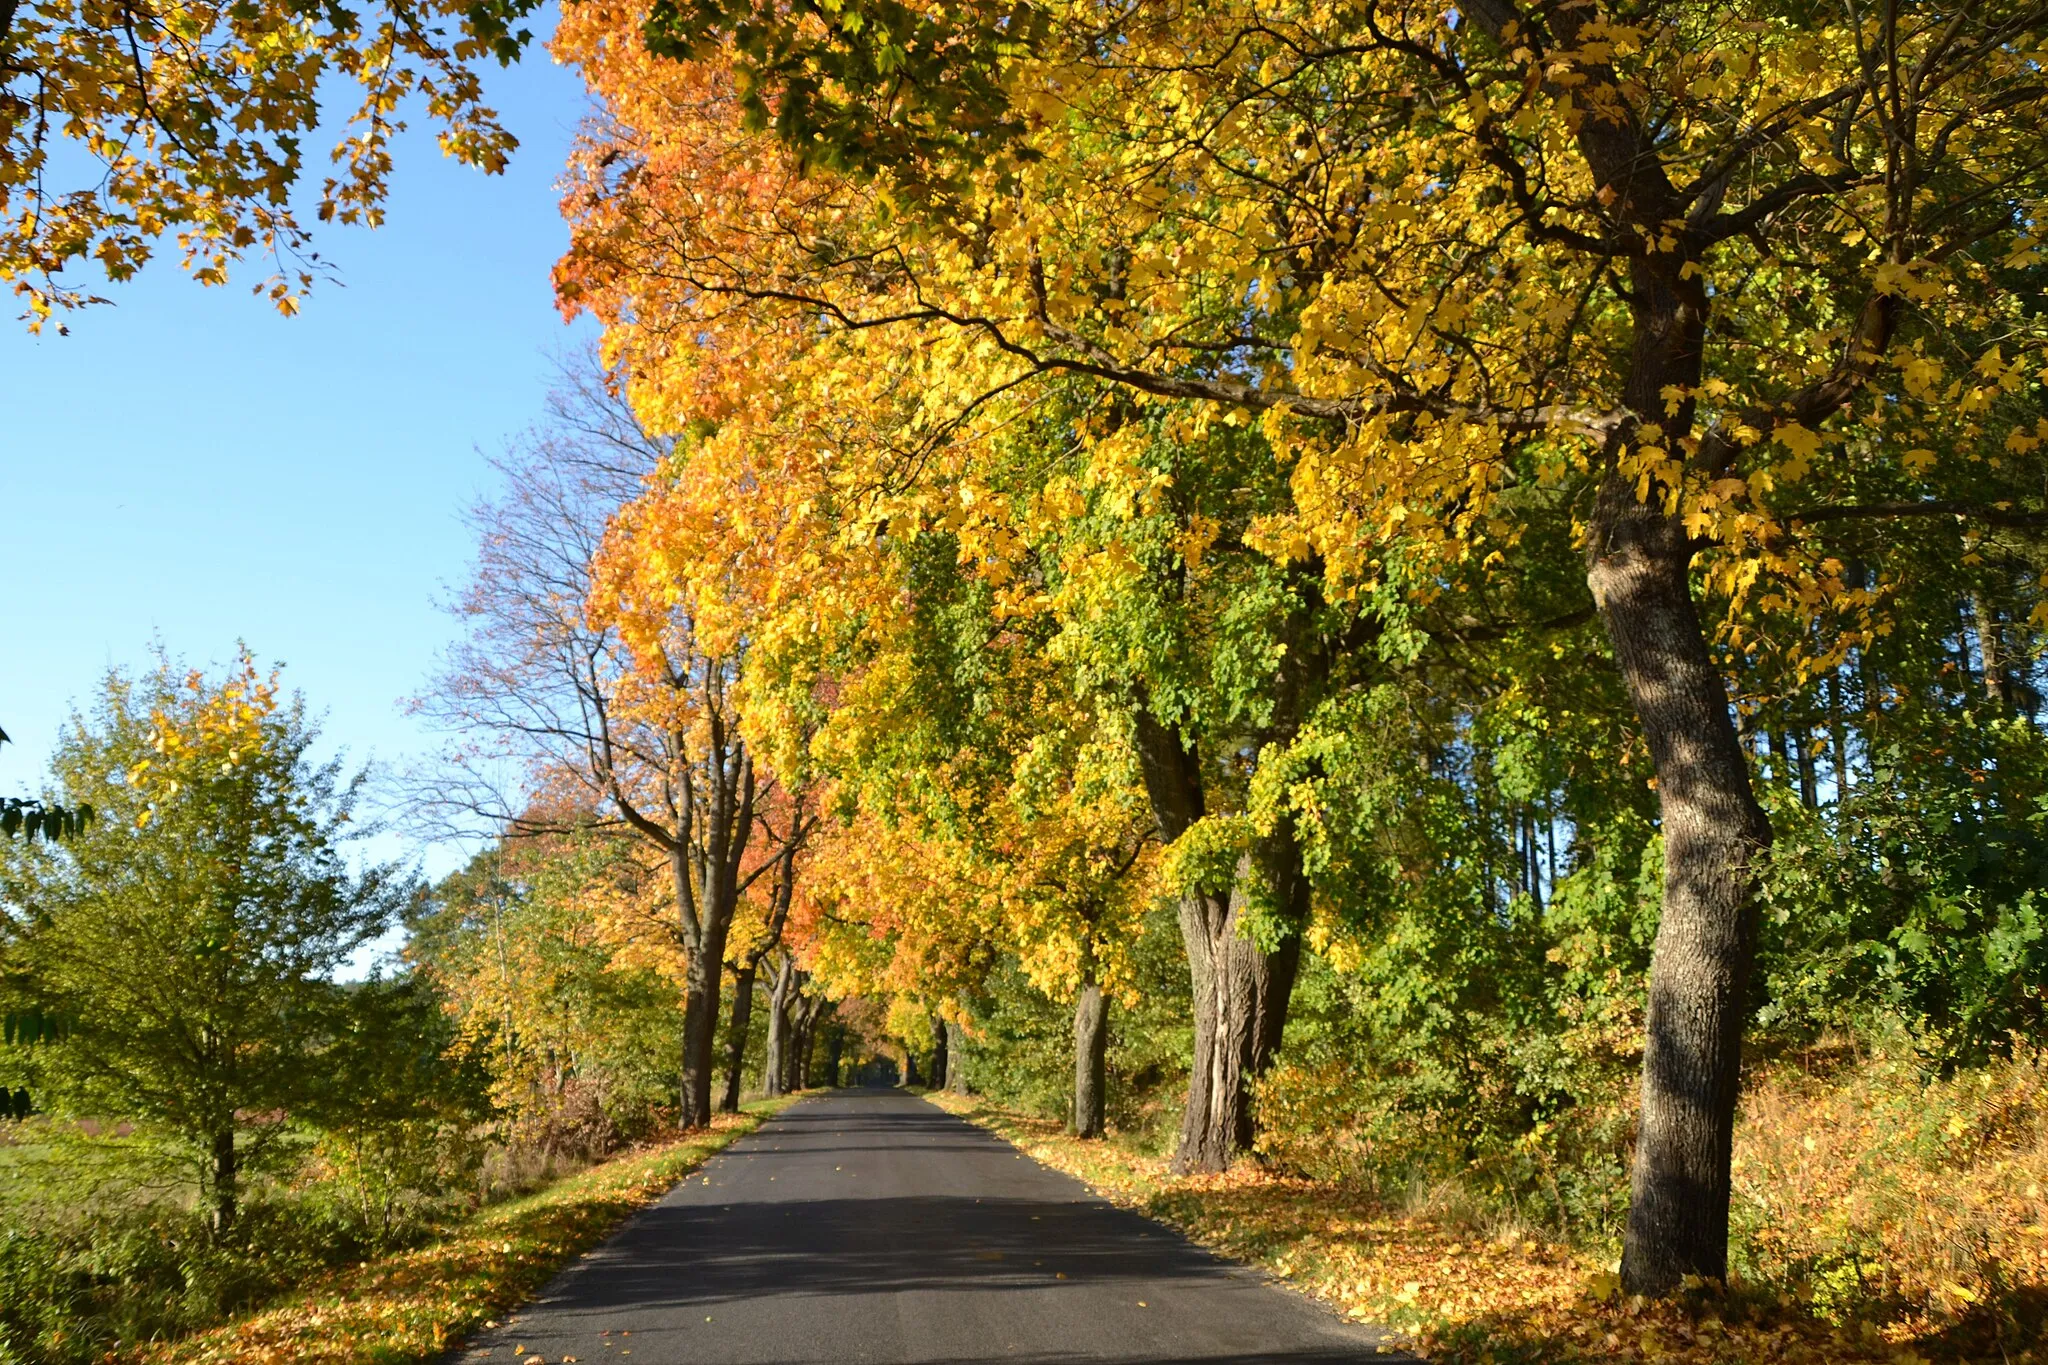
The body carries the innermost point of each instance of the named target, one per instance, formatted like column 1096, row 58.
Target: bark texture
column 1240, row 991
column 1091, row 1059
column 1714, row 833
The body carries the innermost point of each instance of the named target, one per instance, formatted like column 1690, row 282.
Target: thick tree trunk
column 1240, row 993
column 956, row 1058
column 736, row 1036
column 834, row 1050
column 1714, row 836
column 227, row 1176
column 941, row 1060
column 1221, row 977
column 1240, row 1004
column 1091, row 1058
column 700, row 1028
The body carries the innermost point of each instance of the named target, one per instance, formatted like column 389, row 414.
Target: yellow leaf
column 1798, row 439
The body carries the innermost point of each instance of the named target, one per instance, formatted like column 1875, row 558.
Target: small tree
column 190, row 933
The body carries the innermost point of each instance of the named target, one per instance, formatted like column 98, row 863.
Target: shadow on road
column 877, row 1246
column 868, row 1226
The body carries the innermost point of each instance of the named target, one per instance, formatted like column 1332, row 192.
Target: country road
column 867, row 1225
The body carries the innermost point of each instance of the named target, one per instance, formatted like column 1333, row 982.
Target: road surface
column 869, row 1226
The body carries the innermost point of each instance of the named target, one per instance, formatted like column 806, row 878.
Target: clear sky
column 189, row 466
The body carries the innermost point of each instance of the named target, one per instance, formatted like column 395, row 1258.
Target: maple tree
column 1711, row 285
column 127, row 122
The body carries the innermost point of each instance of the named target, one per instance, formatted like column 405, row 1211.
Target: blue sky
column 189, row 466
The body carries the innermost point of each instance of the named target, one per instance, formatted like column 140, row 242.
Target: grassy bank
column 1882, row 1218
column 413, row 1306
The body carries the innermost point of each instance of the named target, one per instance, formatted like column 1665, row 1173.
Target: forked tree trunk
column 956, row 1058
column 1091, row 1060
column 1240, row 992
column 736, row 1035
column 1638, row 567
column 1241, row 995
column 1715, row 833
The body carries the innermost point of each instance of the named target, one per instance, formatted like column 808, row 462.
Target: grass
column 414, row 1306
column 1881, row 1217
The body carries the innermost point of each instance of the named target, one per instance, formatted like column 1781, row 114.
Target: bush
column 74, row 1290
column 101, row 1247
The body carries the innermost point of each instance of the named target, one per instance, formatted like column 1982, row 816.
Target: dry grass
column 1880, row 1219
column 1920, row 1204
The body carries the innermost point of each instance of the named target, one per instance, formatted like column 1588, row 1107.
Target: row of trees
column 1298, row 461
column 1400, row 486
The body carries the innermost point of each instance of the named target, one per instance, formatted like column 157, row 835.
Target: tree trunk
column 736, row 1035
column 1714, row 836
column 702, row 978
column 1989, row 651
column 1809, row 775
column 1838, row 733
column 1241, row 997
column 775, row 1077
column 941, row 1060
column 835, row 1049
column 1240, row 993
column 226, row 1184
column 956, row 1058
column 814, row 1012
column 798, row 1073
column 1091, row 1056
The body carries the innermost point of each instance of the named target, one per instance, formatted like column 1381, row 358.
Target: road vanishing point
column 870, row 1226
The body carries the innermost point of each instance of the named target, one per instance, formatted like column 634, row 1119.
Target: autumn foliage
column 1441, row 500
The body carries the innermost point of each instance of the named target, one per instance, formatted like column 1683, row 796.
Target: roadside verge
column 411, row 1307
column 1450, row 1292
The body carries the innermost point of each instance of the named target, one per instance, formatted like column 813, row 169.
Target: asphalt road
column 867, row 1225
